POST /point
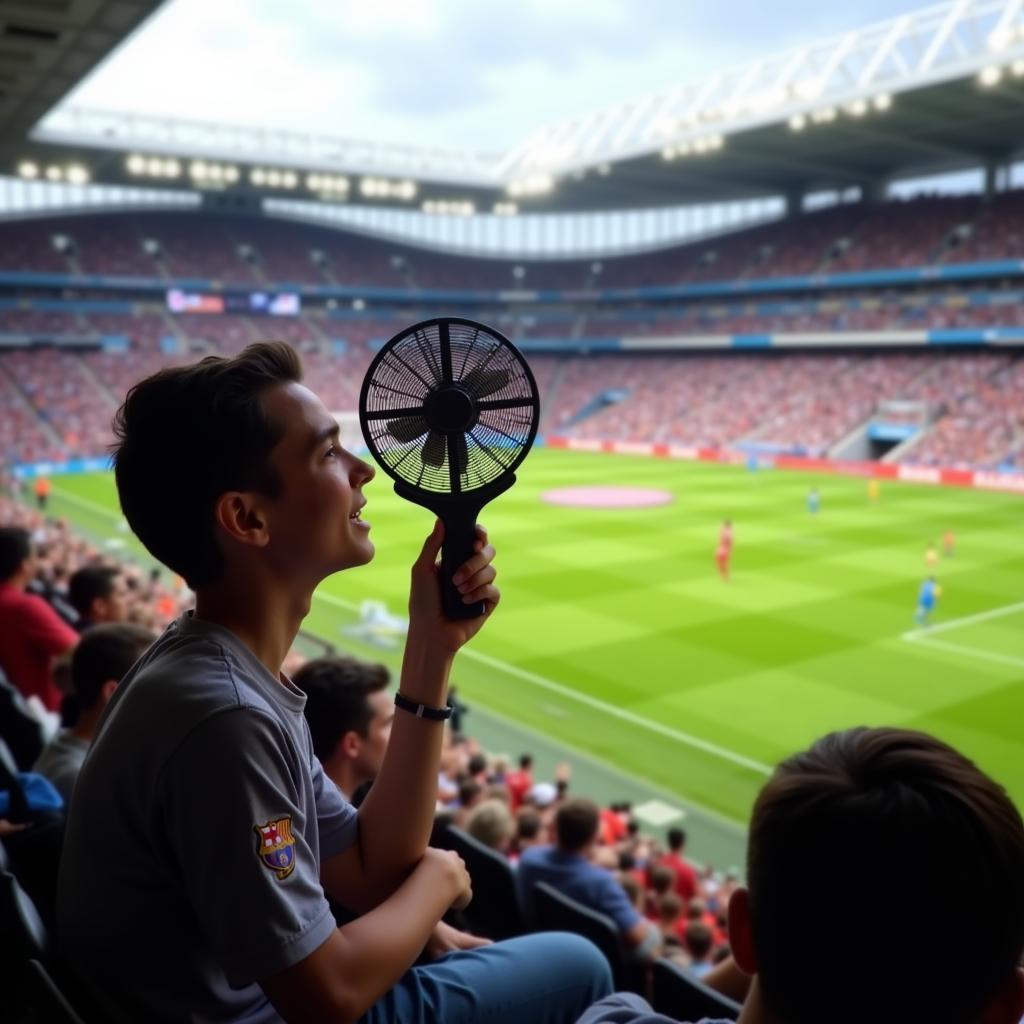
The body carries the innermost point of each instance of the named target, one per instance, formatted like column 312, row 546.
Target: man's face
column 113, row 607
column 315, row 527
column 374, row 745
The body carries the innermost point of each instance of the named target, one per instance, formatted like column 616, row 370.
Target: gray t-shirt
column 192, row 858
column 61, row 761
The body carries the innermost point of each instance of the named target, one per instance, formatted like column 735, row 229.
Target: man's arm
column 341, row 979
column 396, row 818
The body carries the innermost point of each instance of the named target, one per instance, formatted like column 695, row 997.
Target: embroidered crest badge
column 275, row 846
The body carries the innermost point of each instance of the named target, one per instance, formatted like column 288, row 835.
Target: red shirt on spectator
column 686, row 877
column 614, row 829
column 518, row 784
column 31, row 635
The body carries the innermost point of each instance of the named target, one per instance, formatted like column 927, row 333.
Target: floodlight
column 990, row 76
column 231, row 174
column 1000, row 40
column 136, row 164
column 314, row 182
column 197, row 169
column 27, row 169
column 883, row 101
column 289, row 179
column 172, row 168
column 359, row 305
column 858, row 108
column 53, row 173
column 668, row 153
column 77, row 175
column 1017, row 68
column 798, row 122
column 258, row 176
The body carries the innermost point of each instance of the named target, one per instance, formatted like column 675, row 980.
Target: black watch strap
column 423, row 710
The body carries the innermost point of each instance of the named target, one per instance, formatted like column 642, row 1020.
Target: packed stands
column 804, row 402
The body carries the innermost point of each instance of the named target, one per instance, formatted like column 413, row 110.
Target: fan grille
column 433, row 361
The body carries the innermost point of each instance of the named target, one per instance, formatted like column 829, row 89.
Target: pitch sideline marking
column 964, row 620
column 973, row 652
column 627, row 716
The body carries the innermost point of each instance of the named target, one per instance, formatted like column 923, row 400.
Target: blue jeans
column 548, row 978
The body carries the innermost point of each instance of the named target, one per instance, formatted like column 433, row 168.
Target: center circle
column 450, row 410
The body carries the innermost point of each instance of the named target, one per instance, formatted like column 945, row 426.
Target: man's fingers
column 473, row 565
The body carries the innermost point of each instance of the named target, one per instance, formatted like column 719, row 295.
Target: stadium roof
column 48, row 46
column 938, row 89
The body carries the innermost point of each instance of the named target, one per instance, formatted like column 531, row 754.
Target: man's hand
column 474, row 580
column 446, row 939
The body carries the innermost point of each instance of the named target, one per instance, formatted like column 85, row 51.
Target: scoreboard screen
column 253, row 303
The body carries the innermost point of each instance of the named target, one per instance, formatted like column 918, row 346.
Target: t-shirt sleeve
column 45, row 629
column 336, row 819
column 239, row 841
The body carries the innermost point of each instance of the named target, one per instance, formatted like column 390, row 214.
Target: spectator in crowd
column 864, row 821
column 202, row 779
column 687, row 884
column 492, row 823
column 520, row 782
column 530, row 831
column 470, row 795
column 102, row 658
column 700, row 943
column 567, row 866
column 349, row 711
column 32, row 633
column 98, row 594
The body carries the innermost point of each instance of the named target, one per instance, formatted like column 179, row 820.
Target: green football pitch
column 615, row 635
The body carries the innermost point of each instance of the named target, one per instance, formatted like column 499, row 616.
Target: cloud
column 479, row 73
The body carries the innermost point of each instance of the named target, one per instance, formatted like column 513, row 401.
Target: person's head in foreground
column 231, row 474
column 871, row 826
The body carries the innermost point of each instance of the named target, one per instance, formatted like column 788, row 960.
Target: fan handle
column 459, row 542
column 459, row 515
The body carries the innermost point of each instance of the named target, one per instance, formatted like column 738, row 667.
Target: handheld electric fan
column 449, row 409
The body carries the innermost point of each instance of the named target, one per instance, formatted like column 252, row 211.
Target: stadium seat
column 494, row 911
column 19, row 728
column 679, row 994
column 557, row 912
column 22, row 932
column 44, row 1001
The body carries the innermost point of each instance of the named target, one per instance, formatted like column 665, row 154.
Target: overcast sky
column 477, row 73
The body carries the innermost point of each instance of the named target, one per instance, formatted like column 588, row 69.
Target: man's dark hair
column 528, row 823
column 469, row 790
column 336, row 689
column 699, row 939
column 89, row 583
column 576, row 824
column 864, row 822
column 676, row 839
column 525, row 762
column 185, row 436
column 477, row 764
column 105, row 652
column 15, row 547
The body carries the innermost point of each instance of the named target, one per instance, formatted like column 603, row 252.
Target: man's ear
column 107, row 690
column 240, row 515
column 349, row 745
column 741, row 940
column 1007, row 1004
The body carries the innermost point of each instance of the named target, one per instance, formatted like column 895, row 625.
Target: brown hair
column 576, row 823
column 186, row 435
column 870, row 825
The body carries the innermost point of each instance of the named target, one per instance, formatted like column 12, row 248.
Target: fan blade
column 433, row 449
column 408, row 428
column 486, row 382
column 458, row 452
